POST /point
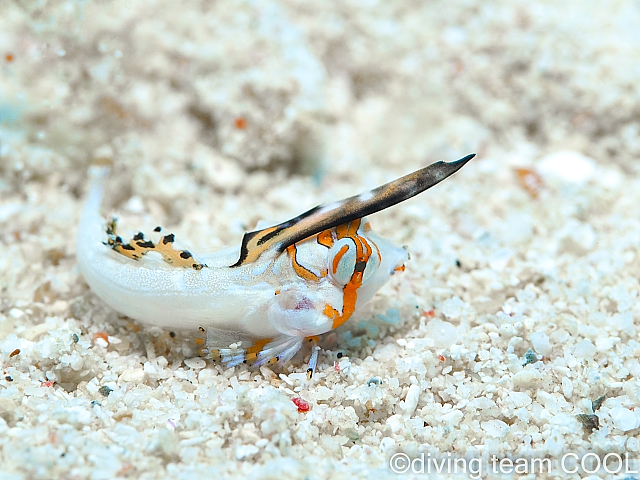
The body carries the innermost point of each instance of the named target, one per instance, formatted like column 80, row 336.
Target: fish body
column 258, row 301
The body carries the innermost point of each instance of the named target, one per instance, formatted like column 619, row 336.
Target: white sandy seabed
column 517, row 313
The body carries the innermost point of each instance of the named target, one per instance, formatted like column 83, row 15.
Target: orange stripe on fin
column 258, row 345
column 137, row 247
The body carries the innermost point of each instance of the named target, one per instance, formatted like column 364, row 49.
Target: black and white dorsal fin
column 323, row 217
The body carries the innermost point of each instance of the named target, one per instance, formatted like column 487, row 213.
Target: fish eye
column 342, row 261
column 372, row 264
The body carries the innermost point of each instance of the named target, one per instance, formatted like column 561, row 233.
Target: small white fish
column 259, row 301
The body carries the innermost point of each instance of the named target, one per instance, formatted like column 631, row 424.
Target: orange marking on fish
column 255, row 247
column 350, row 290
column 338, row 257
column 348, row 306
column 349, row 229
column 354, row 225
column 138, row 247
column 377, row 250
column 326, row 238
column 299, row 269
column 258, row 345
column 252, row 352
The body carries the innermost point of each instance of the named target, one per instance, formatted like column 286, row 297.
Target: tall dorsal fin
column 323, row 217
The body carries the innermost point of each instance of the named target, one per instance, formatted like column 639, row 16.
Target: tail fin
column 98, row 175
column 91, row 228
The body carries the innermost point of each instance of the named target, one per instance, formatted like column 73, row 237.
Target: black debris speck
column 596, row 404
column 589, row 422
column 530, row 357
column 105, row 391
